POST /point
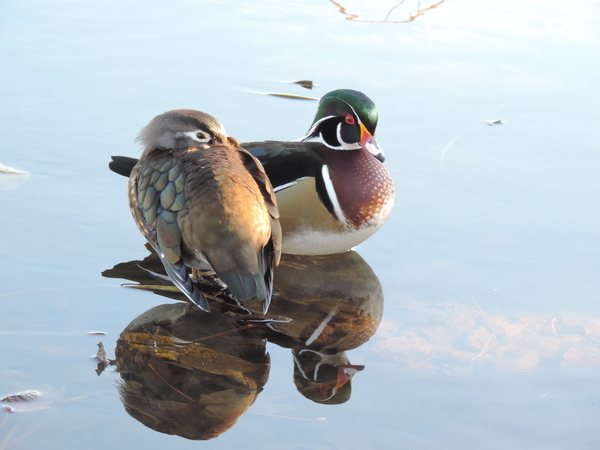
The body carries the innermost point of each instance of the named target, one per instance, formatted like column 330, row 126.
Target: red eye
column 349, row 119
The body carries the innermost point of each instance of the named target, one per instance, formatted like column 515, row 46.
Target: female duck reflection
column 193, row 374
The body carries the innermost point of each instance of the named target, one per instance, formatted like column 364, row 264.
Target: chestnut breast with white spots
column 363, row 187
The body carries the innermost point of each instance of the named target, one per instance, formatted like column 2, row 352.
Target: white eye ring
column 198, row 136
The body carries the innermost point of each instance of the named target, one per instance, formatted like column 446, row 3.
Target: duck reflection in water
column 189, row 373
column 335, row 303
column 194, row 374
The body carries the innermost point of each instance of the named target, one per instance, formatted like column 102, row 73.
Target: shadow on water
column 193, row 374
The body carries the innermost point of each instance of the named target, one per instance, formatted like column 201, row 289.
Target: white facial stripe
column 372, row 149
column 314, row 127
column 337, row 208
column 192, row 135
column 353, row 110
column 344, row 145
column 318, row 365
column 299, row 366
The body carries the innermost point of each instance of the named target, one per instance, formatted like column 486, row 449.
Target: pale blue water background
column 490, row 263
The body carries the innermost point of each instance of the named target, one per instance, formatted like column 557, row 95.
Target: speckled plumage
column 334, row 194
column 363, row 189
column 205, row 203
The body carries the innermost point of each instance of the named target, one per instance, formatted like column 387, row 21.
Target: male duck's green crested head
column 346, row 120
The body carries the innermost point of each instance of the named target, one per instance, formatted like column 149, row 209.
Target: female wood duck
column 203, row 201
column 333, row 194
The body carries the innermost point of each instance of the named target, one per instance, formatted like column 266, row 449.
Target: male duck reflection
column 334, row 194
column 203, row 201
column 336, row 304
column 193, row 374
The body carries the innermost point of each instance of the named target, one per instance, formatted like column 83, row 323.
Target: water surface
column 489, row 265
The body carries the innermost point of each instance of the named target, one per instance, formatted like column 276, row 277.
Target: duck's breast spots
column 362, row 184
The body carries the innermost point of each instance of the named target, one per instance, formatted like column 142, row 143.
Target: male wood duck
column 333, row 194
column 203, row 201
column 335, row 303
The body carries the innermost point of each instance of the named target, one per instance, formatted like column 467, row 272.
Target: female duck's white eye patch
column 198, row 136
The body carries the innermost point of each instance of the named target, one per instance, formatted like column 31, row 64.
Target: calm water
column 489, row 266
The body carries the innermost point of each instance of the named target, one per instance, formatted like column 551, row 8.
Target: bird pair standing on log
column 204, row 200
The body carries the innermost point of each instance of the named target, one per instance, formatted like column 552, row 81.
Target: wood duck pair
column 331, row 195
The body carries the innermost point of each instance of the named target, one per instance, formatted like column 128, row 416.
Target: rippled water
column 490, row 331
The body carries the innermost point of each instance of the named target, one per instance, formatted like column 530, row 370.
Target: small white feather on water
column 10, row 178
